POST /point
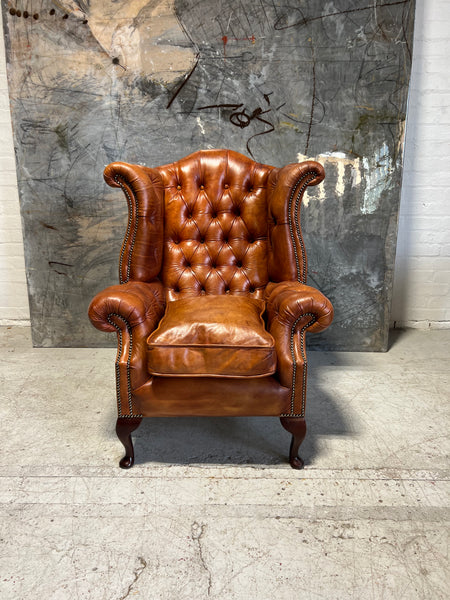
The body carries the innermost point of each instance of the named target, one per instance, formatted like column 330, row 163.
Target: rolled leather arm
column 142, row 179
column 133, row 303
column 289, row 301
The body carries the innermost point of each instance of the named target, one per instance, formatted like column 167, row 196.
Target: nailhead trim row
column 119, row 353
column 301, row 274
column 131, row 206
column 301, row 278
column 294, row 364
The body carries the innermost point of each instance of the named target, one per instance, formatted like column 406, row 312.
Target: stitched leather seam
column 294, row 364
column 119, row 353
column 301, row 274
column 131, row 207
column 187, row 345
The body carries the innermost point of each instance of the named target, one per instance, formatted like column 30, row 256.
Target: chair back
column 215, row 225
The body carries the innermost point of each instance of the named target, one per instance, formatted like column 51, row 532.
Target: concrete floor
column 211, row 509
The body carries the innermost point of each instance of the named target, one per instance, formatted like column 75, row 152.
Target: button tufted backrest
column 214, row 222
column 215, row 225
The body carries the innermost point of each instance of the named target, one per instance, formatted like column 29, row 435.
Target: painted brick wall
column 13, row 287
column 422, row 275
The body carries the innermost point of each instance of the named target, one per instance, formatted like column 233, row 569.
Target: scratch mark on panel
column 200, row 124
column 377, row 172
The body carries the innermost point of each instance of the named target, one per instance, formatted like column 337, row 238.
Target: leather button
column 202, row 187
column 226, row 186
column 178, row 187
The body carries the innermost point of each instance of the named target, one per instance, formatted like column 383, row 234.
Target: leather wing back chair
column 213, row 307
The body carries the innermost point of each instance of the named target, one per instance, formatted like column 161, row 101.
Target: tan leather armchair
column 212, row 308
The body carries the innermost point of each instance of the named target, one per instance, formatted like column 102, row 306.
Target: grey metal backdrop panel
column 150, row 81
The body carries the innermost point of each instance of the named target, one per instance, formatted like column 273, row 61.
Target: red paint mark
column 225, row 41
column 246, row 39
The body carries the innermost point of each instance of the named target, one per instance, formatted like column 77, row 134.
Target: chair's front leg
column 124, row 427
column 297, row 427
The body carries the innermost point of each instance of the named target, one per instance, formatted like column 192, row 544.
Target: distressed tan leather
column 212, row 226
column 292, row 309
column 212, row 336
column 211, row 397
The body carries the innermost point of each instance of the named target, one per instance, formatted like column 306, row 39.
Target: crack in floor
column 197, row 532
column 137, row 573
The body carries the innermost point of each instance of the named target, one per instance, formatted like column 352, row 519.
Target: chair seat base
column 211, row 397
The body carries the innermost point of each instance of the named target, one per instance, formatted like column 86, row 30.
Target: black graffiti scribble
column 53, row 264
column 242, row 117
column 313, row 100
column 184, row 82
column 280, row 24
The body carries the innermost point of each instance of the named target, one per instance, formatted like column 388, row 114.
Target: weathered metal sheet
column 151, row 81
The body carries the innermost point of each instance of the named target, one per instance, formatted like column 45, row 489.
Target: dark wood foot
column 296, row 426
column 124, row 427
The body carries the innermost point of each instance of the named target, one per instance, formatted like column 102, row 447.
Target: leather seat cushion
column 212, row 336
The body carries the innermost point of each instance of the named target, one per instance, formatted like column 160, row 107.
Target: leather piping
column 131, row 207
column 301, row 274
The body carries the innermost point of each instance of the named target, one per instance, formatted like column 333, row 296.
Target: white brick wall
column 422, row 274
column 13, row 287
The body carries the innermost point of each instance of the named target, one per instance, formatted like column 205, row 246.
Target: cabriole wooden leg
column 124, row 427
column 296, row 426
